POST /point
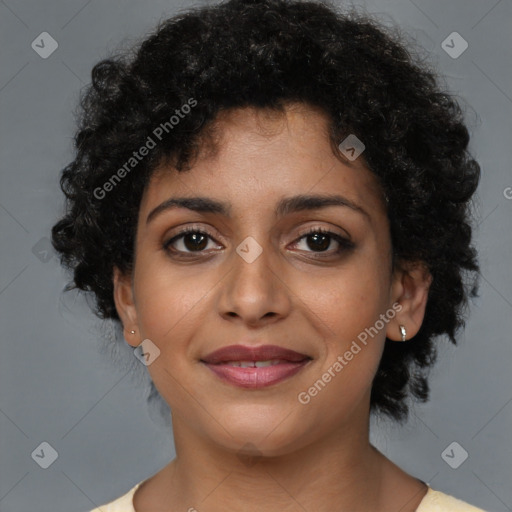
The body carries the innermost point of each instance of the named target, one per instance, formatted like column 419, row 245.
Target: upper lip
column 251, row 353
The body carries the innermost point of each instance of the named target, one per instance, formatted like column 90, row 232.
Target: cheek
column 346, row 308
column 346, row 302
column 168, row 303
column 169, row 312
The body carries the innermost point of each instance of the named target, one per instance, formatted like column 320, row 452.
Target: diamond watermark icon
column 146, row 352
column 249, row 249
column 45, row 455
column 44, row 45
column 351, row 147
column 249, row 454
column 43, row 250
column 454, row 455
column 454, row 45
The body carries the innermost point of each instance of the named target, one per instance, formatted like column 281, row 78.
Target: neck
column 340, row 472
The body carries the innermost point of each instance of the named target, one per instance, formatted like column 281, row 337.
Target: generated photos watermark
column 137, row 156
column 304, row 397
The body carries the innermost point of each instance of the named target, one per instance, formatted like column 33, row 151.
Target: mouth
column 255, row 367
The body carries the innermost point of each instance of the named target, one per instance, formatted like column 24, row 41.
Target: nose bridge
column 254, row 289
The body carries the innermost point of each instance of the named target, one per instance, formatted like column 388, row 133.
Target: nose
column 254, row 292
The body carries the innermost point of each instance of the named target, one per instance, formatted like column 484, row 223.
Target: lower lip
column 256, row 377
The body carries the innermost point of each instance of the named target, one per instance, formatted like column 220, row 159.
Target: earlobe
column 410, row 287
column 125, row 305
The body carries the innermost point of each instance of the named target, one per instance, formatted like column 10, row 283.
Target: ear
column 125, row 306
column 410, row 286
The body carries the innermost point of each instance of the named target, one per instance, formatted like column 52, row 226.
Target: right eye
column 188, row 241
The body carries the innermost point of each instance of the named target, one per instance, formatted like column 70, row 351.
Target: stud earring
column 403, row 333
column 132, row 332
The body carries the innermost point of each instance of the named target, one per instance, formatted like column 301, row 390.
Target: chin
column 262, row 432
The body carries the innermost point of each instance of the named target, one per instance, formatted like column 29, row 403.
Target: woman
column 272, row 199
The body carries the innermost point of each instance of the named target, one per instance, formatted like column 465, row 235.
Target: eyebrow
column 285, row 206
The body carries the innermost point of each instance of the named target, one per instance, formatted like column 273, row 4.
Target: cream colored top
column 433, row 501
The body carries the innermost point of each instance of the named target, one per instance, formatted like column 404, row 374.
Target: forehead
column 253, row 157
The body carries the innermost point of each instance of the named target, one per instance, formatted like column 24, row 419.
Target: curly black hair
column 266, row 54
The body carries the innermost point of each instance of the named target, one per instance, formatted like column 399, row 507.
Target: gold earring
column 403, row 333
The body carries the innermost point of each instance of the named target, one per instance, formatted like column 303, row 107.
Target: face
column 258, row 268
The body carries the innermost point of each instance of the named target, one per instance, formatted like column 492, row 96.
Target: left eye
column 320, row 240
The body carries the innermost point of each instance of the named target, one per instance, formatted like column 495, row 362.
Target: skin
column 261, row 449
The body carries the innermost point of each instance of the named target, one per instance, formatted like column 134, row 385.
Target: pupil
column 320, row 246
column 198, row 241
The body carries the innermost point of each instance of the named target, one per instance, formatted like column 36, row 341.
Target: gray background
column 58, row 385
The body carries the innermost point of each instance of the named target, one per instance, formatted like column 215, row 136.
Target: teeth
column 254, row 364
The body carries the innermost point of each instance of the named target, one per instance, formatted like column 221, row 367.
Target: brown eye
column 188, row 241
column 195, row 241
column 319, row 240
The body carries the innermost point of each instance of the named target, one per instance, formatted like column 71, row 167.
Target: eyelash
column 344, row 243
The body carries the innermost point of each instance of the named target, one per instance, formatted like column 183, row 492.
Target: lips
column 261, row 353
column 255, row 367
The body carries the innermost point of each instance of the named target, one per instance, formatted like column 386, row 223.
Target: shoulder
column 433, row 501
column 121, row 504
column 437, row 501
